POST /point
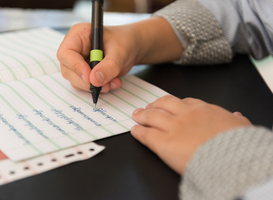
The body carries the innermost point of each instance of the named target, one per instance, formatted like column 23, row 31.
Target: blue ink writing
column 60, row 114
column 32, row 126
column 40, row 114
column 103, row 112
column 78, row 110
column 19, row 135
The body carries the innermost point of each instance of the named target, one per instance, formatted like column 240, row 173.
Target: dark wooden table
column 127, row 170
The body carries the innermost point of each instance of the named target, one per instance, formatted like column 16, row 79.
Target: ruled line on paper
column 45, row 114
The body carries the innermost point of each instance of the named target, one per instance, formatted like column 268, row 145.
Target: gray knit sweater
column 235, row 164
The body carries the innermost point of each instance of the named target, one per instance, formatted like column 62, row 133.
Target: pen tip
column 95, row 92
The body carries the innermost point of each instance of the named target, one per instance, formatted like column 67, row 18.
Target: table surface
column 128, row 170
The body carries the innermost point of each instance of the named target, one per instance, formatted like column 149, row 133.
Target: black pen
column 96, row 53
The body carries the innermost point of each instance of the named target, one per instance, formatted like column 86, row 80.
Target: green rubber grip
column 96, row 55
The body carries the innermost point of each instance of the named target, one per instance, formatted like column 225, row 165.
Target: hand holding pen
column 123, row 47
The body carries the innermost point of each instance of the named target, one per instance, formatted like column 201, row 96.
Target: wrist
column 156, row 41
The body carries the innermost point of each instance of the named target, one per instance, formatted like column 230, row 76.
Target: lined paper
column 44, row 114
column 41, row 113
column 28, row 53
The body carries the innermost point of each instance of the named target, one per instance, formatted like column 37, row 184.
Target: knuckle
column 143, row 116
column 188, row 99
column 59, row 54
column 165, row 99
column 75, row 27
column 193, row 101
column 75, row 87
column 64, row 72
column 77, row 68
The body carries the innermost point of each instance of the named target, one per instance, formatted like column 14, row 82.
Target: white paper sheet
column 12, row 171
column 41, row 113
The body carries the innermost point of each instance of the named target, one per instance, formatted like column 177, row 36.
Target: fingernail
column 83, row 78
column 136, row 111
column 134, row 127
column 99, row 76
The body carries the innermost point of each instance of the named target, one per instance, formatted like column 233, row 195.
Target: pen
column 96, row 53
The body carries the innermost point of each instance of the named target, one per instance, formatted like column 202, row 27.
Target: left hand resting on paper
column 174, row 128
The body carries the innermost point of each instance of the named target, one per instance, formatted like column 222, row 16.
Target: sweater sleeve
column 225, row 167
column 199, row 32
column 247, row 24
column 211, row 31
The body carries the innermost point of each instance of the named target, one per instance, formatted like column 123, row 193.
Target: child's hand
column 74, row 56
column 175, row 128
column 146, row 42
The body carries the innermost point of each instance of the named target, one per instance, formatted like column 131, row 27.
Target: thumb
column 105, row 71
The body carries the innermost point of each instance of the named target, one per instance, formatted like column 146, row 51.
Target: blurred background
column 62, row 14
column 135, row 6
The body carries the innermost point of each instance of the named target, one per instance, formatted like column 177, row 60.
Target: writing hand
column 146, row 42
column 74, row 53
column 174, row 128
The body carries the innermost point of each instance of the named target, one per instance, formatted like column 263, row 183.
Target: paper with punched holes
column 12, row 171
column 41, row 113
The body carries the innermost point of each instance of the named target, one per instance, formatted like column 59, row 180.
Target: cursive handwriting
column 103, row 112
column 60, row 114
column 78, row 110
column 40, row 114
column 18, row 134
column 32, row 126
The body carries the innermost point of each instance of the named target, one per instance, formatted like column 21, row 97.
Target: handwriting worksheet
column 40, row 111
